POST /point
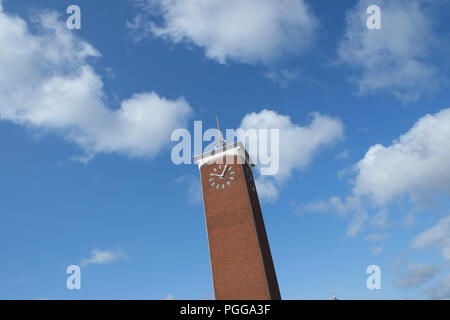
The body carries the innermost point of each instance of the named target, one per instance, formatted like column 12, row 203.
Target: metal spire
column 334, row 296
column 221, row 141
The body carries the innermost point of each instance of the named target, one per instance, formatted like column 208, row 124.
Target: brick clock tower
column 241, row 262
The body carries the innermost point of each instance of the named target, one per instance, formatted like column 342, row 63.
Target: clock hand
column 224, row 169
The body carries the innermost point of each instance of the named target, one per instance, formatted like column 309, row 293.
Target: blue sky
column 86, row 175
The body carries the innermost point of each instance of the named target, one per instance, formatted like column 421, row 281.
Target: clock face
column 221, row 176
column 249, row 177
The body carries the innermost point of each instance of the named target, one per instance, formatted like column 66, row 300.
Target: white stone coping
column 235, row 149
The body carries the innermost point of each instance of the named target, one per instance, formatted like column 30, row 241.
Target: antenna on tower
column 334, row 296
column 221, row 141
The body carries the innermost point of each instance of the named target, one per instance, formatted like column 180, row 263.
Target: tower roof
column 232, row 149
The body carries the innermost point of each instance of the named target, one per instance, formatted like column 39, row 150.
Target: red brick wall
column 241, row 262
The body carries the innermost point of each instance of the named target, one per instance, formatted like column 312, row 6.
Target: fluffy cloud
column 377, row 250
column 418, row 162
column 395, row 58
column 380, row 220
column 282, row 77
column 342, row 155
column 267, row 191
column 356, row 223
column 438, row 235
column 349, row 206
column 169, row 296
column 335, row 204
column 102, row 257
column 441, row 290
column 250, row 31
column 376, row 237
column 416, row 276
column 297, row 144
column 416, row 165
column 192, row 188
column 47, row 83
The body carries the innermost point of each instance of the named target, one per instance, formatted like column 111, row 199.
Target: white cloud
column 267, row 191
column 376, row 237
column 349, row 206
column 356, row 224
column 417, row 163
column 250, row 31
column 342, row 155
column 47, row 83
column 433, row 235
column 313, row 207
column 380, row 220
column 192, row 188
column 297, row 144
column 441, row 290
column 409, row 219
column 416, row 276
column 169, row 296
column 446, row 249
column 102, row 257
column 395, row 58
column 335, row 204
column 282, row 77
column 377, row 250
column 438, row 235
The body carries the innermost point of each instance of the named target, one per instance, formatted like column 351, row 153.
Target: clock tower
column 241, row 261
